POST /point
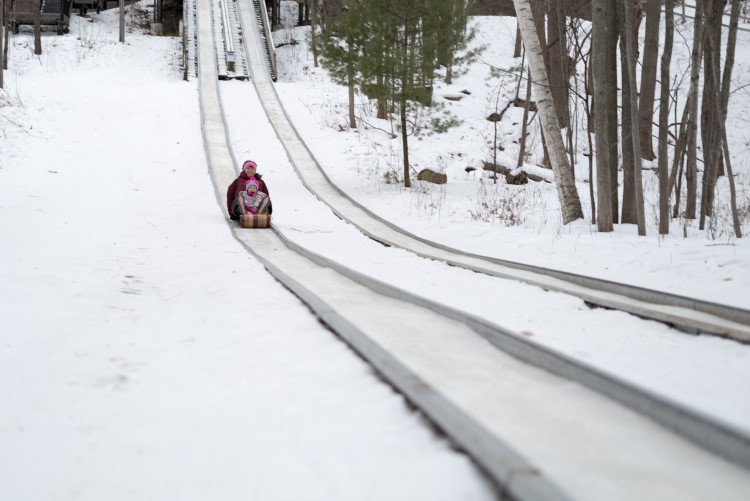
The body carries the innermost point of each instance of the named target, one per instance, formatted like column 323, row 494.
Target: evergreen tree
column 390, row 50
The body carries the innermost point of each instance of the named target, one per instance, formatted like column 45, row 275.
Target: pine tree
column 390, row 51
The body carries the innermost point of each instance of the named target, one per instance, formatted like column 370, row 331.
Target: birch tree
column 691, row 170
column 564, row 179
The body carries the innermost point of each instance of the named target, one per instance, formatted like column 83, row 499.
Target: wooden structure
column 54, row 13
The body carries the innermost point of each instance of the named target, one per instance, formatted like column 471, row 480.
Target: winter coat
column 252, row 202
column 238, row 186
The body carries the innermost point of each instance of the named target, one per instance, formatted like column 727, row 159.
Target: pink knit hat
column 249, row 163
column 252, row 182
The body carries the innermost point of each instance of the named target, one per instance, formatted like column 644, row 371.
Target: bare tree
column 558, row 60
column 724, row 99
column 518, row 44
column 711, row 106
column 37, row 27
column 629, row 210
column 630, row 43
column 564, row 179
column 524, row 125
column 313, row 30
column 666, row 60
column 691, row 171
column 729, row 59
column 603, row 67
column 8, row 7
column 648, row 77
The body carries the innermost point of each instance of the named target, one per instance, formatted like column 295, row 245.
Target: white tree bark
column 564, row 179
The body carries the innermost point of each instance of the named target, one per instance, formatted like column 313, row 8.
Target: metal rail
column 267, row 37
column 227, row 30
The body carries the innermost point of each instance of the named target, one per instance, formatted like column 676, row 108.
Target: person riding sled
column 253, row 201
column 235, row 202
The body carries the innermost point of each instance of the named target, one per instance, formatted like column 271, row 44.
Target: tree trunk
column 37, row 6
column 730, row 176
column 679, row 150
column 713, row 12
column 524, row 126
column 729, row 60
column 4, row 56
column 405, row 144
column 8, row 9
column 382, row 101
column 564, row 179
column 402, row 104
column 350, row 75
column 603, row 43
column 648, row 77
column 691, row 171
column 558, row 56
column 629, row 210
column 630, row 43
column 732, row 191
column 352, row 117
column 313, row 28
column 666, row 59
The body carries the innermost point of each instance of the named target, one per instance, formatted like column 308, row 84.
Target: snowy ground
column 518, row 223
column 138, row 358
column 143, row 353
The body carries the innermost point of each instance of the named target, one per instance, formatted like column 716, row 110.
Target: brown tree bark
column 313, row 30
column 558, row 57
column 666, row 60
column 630, row 45
column 629, row 210
column 8, row 8
column 37, row 6
column 524, row 126
column 711, row 106
column 603, row 66
column 648, row 78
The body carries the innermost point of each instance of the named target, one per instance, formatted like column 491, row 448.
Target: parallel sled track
column 687, row 314
column 425, row 349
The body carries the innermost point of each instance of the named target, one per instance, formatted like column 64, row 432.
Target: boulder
column 432, row 177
